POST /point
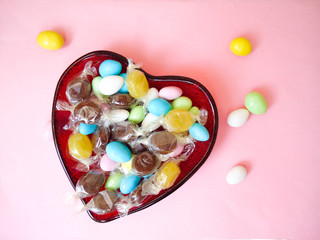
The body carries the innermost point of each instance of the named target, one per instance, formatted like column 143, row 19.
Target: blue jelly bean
column 199, row 132
column 109, row 67
column 129, row 183
column 124, row 88
column 118, row 152
column 87, row 129
column 159, row 106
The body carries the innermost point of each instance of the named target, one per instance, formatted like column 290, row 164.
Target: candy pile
column 130, row 137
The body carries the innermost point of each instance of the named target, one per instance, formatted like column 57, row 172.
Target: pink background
column 280, row 196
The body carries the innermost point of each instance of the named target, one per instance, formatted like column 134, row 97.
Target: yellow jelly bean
column 80, row 146
column 178, row 120
column 240, row 46
column 127, row 166
column 137, row 84
column 167, row 175
column 50, row 40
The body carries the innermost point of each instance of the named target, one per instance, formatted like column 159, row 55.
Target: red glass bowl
column 199, row 95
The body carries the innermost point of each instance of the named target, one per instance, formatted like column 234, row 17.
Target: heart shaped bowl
column 199, row 95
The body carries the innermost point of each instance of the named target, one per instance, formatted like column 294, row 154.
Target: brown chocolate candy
column 78, row 90
column 145, row 163
column 90, row 183
column 87, row 112
column 136, row 196
column 100, row 139
column 124, row 132
column 163, row 142
column 104, row 201
column 121, row 100
column 137, row 147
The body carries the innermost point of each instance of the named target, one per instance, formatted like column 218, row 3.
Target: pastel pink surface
column 107, row 164
column 280, row 196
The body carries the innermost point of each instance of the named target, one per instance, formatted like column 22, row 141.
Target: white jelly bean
column 117, row 115
column 111, row 84
column 238, row 117
column 151, row 122
column 236, row 175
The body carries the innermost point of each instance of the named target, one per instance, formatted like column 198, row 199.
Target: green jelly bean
column 182, row 103
column 95, row 86
column 255, row 103
column 194, row 111
column 137, row 114
column 113, row 182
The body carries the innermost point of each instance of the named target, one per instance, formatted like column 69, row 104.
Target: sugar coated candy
column 118, row 152
column 110, row 67
column 113, row 181
column 256, row 103
column 50, row 40
column 159, row 106
column 129, row 183
column 87, row 129
column 199, row 132
column 170, row 92
column 178, row 120
column 182, row 103
column 80, row 146
column 110, row 84
column 137, row 84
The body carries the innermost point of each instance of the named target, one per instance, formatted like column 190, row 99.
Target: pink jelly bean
column 170, row 92
column 177, row 151
column 106, row 164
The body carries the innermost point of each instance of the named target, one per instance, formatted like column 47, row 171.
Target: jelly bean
column 182, row 103
column 256, row 103
column 240, row 46
column 194, row 111
column 80, row 146
column 124, row 88
column 159, row 106
column 129, row 183
column 87, row 129
column 163, row 142
column 199, row 132
column 170, row 92
column 106, row 164
column 50, row 40
column 178, row 120
column 167, row 174
column 177, row 151
column 111, row 84
column 110, row 67
column 127, row 166
column 137, row 84
column 118, row 152
column 137, row 114
column 236, row 175
column 151, row 122
column 238, row 117
column 145, row 163
column 117, row 115
column 152, row 94
column 78, row 90
column 113, row 181
column 95, row 86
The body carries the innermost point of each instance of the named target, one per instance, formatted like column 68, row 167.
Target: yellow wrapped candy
column 167, row 175
column 137, row 84
column 80, row 146
column 178, row 120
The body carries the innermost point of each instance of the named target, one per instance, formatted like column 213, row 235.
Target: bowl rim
column 154, row 78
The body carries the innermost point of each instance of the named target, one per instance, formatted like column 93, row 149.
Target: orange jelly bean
column 137, row 84
column 167, row 175
column 80, row 146
column 178, row 120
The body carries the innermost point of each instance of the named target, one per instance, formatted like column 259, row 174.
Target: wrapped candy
column 102, row 203
column 79, row 89
column 90, row 183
